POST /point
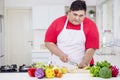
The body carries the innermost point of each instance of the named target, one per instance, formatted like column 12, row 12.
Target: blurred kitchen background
column 23, row 24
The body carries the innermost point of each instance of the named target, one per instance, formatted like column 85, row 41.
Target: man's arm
column 87, row 57
column 56, row 51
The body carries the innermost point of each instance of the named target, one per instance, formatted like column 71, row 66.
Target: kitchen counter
column 68, row 76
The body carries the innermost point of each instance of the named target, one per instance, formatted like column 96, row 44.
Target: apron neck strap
column 81, row 25
column 65, row 26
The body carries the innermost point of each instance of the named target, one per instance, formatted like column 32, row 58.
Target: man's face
column 76, row 17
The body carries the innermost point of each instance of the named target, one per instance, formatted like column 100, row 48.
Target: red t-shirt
column 89, row 27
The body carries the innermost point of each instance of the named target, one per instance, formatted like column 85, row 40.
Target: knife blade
column 73, row 63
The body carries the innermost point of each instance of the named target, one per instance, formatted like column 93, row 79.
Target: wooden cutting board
column 78, row 71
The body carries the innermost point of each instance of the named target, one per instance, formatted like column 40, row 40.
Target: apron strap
column 82, row 26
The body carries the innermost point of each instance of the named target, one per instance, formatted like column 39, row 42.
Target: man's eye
column 75, row 14
column 80, row 15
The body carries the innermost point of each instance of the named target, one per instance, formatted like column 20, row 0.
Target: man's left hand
column 82, row 65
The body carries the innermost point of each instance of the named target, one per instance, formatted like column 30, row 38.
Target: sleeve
column 92, row 38
column 51, row 34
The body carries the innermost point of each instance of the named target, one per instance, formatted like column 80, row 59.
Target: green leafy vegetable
column 95, row 71
column 39, row 65
column 105, row 72
column 103, row 64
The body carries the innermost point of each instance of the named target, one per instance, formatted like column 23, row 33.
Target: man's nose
column 77, row 17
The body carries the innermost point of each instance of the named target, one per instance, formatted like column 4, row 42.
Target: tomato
column 59, row 75
column 56, row 71
column 31, row 72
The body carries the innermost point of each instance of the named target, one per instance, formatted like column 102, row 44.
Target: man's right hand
column 56, row 51
column 64, row 58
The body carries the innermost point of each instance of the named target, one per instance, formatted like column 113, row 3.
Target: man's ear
column 67, row 12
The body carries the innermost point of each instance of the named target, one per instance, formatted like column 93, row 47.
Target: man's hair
column 78, row 5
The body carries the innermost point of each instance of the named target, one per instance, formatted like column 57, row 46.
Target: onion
column 115, row 71
column 39, row 73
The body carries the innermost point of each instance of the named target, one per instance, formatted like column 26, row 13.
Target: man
column 73, row 37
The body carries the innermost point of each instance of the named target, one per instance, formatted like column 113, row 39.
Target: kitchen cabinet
column 40, row 56
column 40, row 17
column 43, row 15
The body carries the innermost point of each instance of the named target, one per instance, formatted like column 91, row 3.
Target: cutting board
column 78, row 71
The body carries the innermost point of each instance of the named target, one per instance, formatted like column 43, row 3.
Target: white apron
column 72, row 43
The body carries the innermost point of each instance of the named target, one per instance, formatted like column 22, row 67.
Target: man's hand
column 64, row 58
column 82, row 65
column 56, row 51
column 87, row 58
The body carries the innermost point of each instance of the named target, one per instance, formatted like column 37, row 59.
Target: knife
column 73, row 63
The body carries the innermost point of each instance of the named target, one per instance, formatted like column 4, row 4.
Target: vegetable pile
column 104, row 69
column 40, row 70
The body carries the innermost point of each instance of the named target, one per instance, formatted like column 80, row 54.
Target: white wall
column 29, row 3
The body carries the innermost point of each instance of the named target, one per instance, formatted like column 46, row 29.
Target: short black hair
column 78, row 5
